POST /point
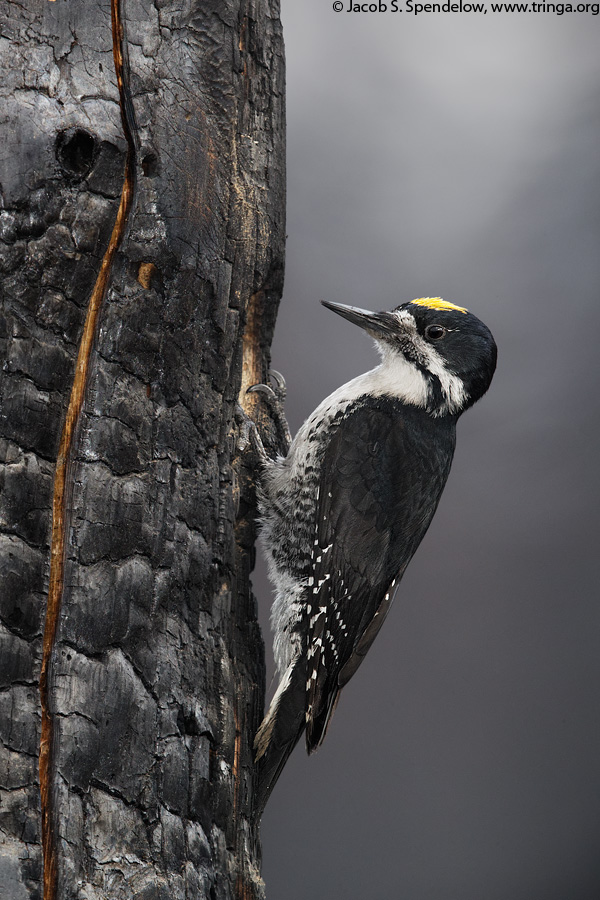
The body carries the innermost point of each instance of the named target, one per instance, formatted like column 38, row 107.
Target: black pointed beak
column 377, row 324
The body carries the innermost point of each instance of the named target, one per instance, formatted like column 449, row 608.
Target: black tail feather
column 280, row 731
column 317, row 725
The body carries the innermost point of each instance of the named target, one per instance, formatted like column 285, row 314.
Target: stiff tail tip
column 279, row 731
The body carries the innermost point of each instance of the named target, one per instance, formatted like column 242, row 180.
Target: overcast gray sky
column 457, row 155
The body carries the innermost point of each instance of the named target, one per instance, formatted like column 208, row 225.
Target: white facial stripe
column 451, row 385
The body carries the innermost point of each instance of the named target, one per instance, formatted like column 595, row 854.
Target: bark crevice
column 62, row 475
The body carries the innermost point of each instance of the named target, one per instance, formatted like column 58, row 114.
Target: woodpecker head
column 443, row 344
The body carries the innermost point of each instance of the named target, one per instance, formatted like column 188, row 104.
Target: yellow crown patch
column 437, row 303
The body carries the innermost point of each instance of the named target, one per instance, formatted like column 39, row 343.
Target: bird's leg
column 275, row 398
column 249, row 436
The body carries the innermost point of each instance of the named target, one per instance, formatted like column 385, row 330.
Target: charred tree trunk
column 142, row 236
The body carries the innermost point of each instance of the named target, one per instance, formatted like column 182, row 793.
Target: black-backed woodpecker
column 347, row 506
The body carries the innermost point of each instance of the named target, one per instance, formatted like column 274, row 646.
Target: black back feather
column 380, row 483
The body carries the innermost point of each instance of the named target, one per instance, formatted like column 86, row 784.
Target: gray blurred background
column 457, row 155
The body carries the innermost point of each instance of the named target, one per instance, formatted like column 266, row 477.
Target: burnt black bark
column 141, row 255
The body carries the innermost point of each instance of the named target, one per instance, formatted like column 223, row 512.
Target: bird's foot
column 249, row 436
column 275, row 398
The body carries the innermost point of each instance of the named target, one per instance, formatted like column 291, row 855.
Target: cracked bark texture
column 155, row 673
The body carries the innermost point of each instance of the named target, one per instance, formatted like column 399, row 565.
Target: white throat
column 396, row 376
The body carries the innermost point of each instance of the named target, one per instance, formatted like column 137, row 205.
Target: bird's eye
column 435, row 332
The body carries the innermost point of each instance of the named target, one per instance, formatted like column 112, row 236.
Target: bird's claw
column 275, row 397
column 276, row 393
column 280, row 385
column 265, row 389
